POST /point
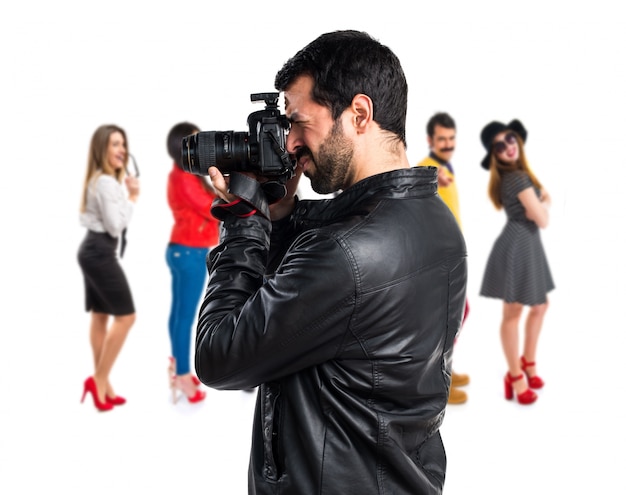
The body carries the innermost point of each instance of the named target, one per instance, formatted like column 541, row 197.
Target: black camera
column 261, row 150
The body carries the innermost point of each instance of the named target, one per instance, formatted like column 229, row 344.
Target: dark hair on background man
column 175, row 139
column 346, row 63
column 442, row 119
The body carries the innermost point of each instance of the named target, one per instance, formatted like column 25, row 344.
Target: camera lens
column 227, row 150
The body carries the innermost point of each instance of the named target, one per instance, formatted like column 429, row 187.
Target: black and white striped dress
column 517, row 268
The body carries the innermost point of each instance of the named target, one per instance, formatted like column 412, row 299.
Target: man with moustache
column 441, row 135
column 342, row 311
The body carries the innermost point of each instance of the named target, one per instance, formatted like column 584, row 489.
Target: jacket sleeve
column 253, row 328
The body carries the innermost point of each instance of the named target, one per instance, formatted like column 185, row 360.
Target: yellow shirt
column 448, row 193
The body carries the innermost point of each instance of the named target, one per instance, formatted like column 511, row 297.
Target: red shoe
column 533, row 381
column 90, row 386
column 172, row 371
column 188, row 389
column 525, row 398
column 199, row 396
column 118, row 400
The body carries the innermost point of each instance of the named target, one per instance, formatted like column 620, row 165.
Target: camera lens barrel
column 229, row 151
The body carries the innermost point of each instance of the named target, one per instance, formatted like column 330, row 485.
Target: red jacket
column 190, row 202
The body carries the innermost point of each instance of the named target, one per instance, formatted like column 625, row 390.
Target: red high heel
column 198, row 395
column 172, row 370
column 525, row 398
column 90, row 386
column 533, row 381
column 118, row 400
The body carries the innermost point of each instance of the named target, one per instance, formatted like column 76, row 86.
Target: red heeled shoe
column 525, row 398
column 118, row 400
column 176, row 384
column 533, row 381
column 90, row 386
column 199, row 396
column 172, row 371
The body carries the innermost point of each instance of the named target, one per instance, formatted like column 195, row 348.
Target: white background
column 69, row 66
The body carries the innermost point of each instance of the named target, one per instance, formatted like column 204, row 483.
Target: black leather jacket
column 350, row 338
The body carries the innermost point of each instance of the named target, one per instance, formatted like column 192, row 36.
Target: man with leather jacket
column 343, row 311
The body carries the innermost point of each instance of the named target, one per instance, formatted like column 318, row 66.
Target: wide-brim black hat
column 492, row 129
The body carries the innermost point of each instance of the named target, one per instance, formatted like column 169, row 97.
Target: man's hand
column 220, row 184
column 443, row 179
column 285, row 206
column 278, row 210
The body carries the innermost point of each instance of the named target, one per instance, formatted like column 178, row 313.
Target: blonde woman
column 517, row 270
column 105, row 212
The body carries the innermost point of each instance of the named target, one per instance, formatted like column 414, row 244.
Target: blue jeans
column 188, row 268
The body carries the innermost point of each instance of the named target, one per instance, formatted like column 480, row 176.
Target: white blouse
column 108, row 208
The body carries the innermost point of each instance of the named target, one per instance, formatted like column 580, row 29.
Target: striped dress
column 517, row 268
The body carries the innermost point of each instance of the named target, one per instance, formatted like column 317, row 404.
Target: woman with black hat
column 517, row 269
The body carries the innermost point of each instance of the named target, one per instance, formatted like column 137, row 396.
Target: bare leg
column 97, row 334
column 111, row 347
column 509, row 334
column 534, row 322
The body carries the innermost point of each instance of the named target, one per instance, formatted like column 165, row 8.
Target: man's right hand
column 443, row 179
column 220, row 184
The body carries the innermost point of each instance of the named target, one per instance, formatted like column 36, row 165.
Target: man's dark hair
column 442, row 119
column 175, row 139
column 346, row 63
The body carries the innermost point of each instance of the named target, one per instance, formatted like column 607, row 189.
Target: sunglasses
column 135, row 168
column 500, row 146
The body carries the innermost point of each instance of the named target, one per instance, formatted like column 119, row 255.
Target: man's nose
column 293, row 142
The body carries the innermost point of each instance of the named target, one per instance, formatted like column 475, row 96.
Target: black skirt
column 106, row 288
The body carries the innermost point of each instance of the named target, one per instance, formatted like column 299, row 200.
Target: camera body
column 262, row 150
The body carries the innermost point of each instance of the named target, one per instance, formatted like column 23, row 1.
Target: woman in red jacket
column 194, row 232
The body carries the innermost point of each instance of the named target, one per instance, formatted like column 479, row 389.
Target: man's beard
column 332, row 165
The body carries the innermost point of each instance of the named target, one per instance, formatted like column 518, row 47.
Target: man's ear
column 363, row 109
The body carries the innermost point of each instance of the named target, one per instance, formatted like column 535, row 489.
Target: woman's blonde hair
column 97, row 162
column 497, row 168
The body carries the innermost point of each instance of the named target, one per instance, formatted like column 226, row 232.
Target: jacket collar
column 397, row 184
